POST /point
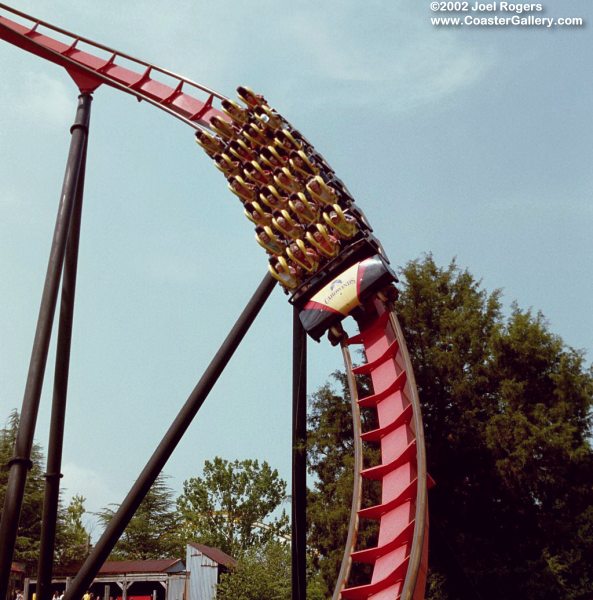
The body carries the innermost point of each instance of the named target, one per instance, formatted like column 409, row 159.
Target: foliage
column 331, row 460
column 152, row 531
column 72, row 538
column 262, row 573
column 231, row 506
column 27, row 542
column 507, row 414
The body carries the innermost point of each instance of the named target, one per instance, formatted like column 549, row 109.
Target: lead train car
column 351, row 288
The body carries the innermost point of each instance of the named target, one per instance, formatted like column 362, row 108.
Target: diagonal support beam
column 157, row 461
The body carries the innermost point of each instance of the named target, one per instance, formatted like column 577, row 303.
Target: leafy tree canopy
column 27, row 542
column 261, row 572
column 72, row 538
column 264, row 573
column 152, row 531
column 233, row 505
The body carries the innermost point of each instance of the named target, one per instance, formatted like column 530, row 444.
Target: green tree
column 231, row 506
column 263, row 572
column 507, row 413
column 330, row 459
column 72, row 538
column 152, row 531
column 27, row 542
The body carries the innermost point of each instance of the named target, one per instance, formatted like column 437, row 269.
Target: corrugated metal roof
column 215, row 554
column 163, row 565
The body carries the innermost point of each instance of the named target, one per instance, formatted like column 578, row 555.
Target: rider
column 250, row 97
column 273, row 198
column 238, row 114
column 341, row 222
column 265, row 114
column 305, row 211
column 321, row 192
column 227, row 165
column 303, row 255
column 212, row 145
column 286, row 225
column 258, row 135
column 326, row 243
column 225, row 129
column 268, row 240
column 247, row 192
column 274, row 157
column 241, row 150
column 258, row 214
column 256, row 174
column 286, row 273
column 284, row 179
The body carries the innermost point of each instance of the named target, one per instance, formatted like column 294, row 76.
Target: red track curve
column 89, row 71
column 401, row 555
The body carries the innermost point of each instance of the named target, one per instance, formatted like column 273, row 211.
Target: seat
column 227, row 165
column 304, row 256
column 250, row 97
column 321, row 192
column 325, row 243
column 341, row 222
column 238, row 114
column 209, row 143
column 304, row 210
column 286, row 225
column 271, row 242
column 281, row 271
column 223, row 128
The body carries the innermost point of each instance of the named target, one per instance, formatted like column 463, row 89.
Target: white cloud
column 395, row 60
column 44, row 101
column 88, row 483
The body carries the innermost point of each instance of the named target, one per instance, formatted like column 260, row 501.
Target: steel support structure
column 299, row 460
column 157, row 461
column 20, row 463
column 53, row 472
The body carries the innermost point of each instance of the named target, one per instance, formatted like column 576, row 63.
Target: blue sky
column 471, row 143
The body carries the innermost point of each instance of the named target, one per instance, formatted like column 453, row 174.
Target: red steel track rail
column 78, row 55
column 400, row 557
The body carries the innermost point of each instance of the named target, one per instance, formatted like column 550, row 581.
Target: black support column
column 20, row 463
column 299, row 460
column 58, row 413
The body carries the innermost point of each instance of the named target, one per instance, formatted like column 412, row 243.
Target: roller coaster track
column 398, row 560
column 89, row 71
column 402, row 545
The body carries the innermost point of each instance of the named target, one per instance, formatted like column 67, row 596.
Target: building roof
column 17, row 567
column 215, row 554
column 164, row 565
